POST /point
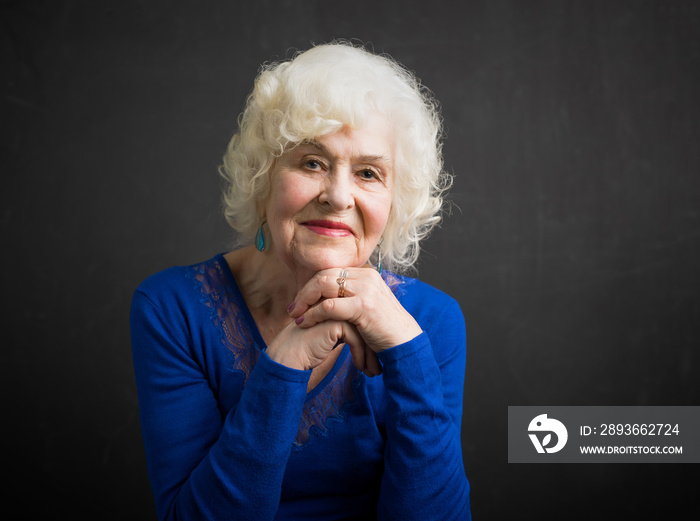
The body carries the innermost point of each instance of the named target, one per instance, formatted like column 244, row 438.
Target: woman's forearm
column 203, row 466
column 424, row 476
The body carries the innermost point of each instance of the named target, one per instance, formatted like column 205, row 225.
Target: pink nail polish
column 291, row 307
column 299, row 320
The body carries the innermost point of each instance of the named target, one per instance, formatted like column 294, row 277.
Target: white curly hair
column 319, row 92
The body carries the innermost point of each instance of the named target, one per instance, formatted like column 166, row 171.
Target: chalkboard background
column 573, row 244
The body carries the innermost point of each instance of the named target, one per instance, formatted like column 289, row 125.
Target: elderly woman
column 302, row 377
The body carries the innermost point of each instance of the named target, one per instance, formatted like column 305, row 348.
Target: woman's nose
column 337, row 190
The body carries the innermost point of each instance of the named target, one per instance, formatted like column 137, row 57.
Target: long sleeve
column 230, row 434
column 204, row 464
column 424, row 476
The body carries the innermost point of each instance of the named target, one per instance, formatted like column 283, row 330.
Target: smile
column 329, row 228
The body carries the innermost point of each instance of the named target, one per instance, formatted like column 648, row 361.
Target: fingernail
column 300, row 319
column 291, row 307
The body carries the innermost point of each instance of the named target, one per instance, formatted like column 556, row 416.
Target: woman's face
column 330, row 198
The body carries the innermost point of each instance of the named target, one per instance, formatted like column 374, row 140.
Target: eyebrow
column 365, row 158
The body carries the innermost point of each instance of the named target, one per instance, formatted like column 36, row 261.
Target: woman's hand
column 306, row 348
column 368, row 304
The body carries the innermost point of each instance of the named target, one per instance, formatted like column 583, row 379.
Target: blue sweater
column 231, row 434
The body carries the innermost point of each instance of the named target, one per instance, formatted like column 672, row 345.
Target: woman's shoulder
column 414, row 292
column 432, row 308
column 437, row 313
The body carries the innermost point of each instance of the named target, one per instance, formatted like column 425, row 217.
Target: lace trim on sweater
column 227, row 315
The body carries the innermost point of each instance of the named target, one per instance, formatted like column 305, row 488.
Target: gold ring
column 341, row 282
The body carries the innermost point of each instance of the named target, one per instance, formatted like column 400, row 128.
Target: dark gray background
column 573, row 246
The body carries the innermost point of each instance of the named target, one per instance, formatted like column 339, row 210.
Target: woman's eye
column 368, row 174
column 312, row 164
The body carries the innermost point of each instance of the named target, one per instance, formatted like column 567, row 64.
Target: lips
column 329, row 228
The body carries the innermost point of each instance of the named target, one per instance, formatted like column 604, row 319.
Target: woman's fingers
column 382, row 322
column 364, row 359
column 307, row 348
column 366, row 302
column 372, row 362
column 357, row 351
column 312, row 292
column 324, row 285
column 346, row 309
column 362, row 356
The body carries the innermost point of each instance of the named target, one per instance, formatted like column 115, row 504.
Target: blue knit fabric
column 231, row 434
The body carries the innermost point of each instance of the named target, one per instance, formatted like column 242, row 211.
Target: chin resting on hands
column 368, row 304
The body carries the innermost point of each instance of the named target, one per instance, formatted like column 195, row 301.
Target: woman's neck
column 268, row 287
column 266, row 283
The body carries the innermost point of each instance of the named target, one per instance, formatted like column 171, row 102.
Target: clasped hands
column 368, row 318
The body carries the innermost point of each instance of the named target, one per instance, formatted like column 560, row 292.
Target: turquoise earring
column 260, row 237
column 379, row 256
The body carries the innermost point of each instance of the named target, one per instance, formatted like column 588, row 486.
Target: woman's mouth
column 329, row 228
